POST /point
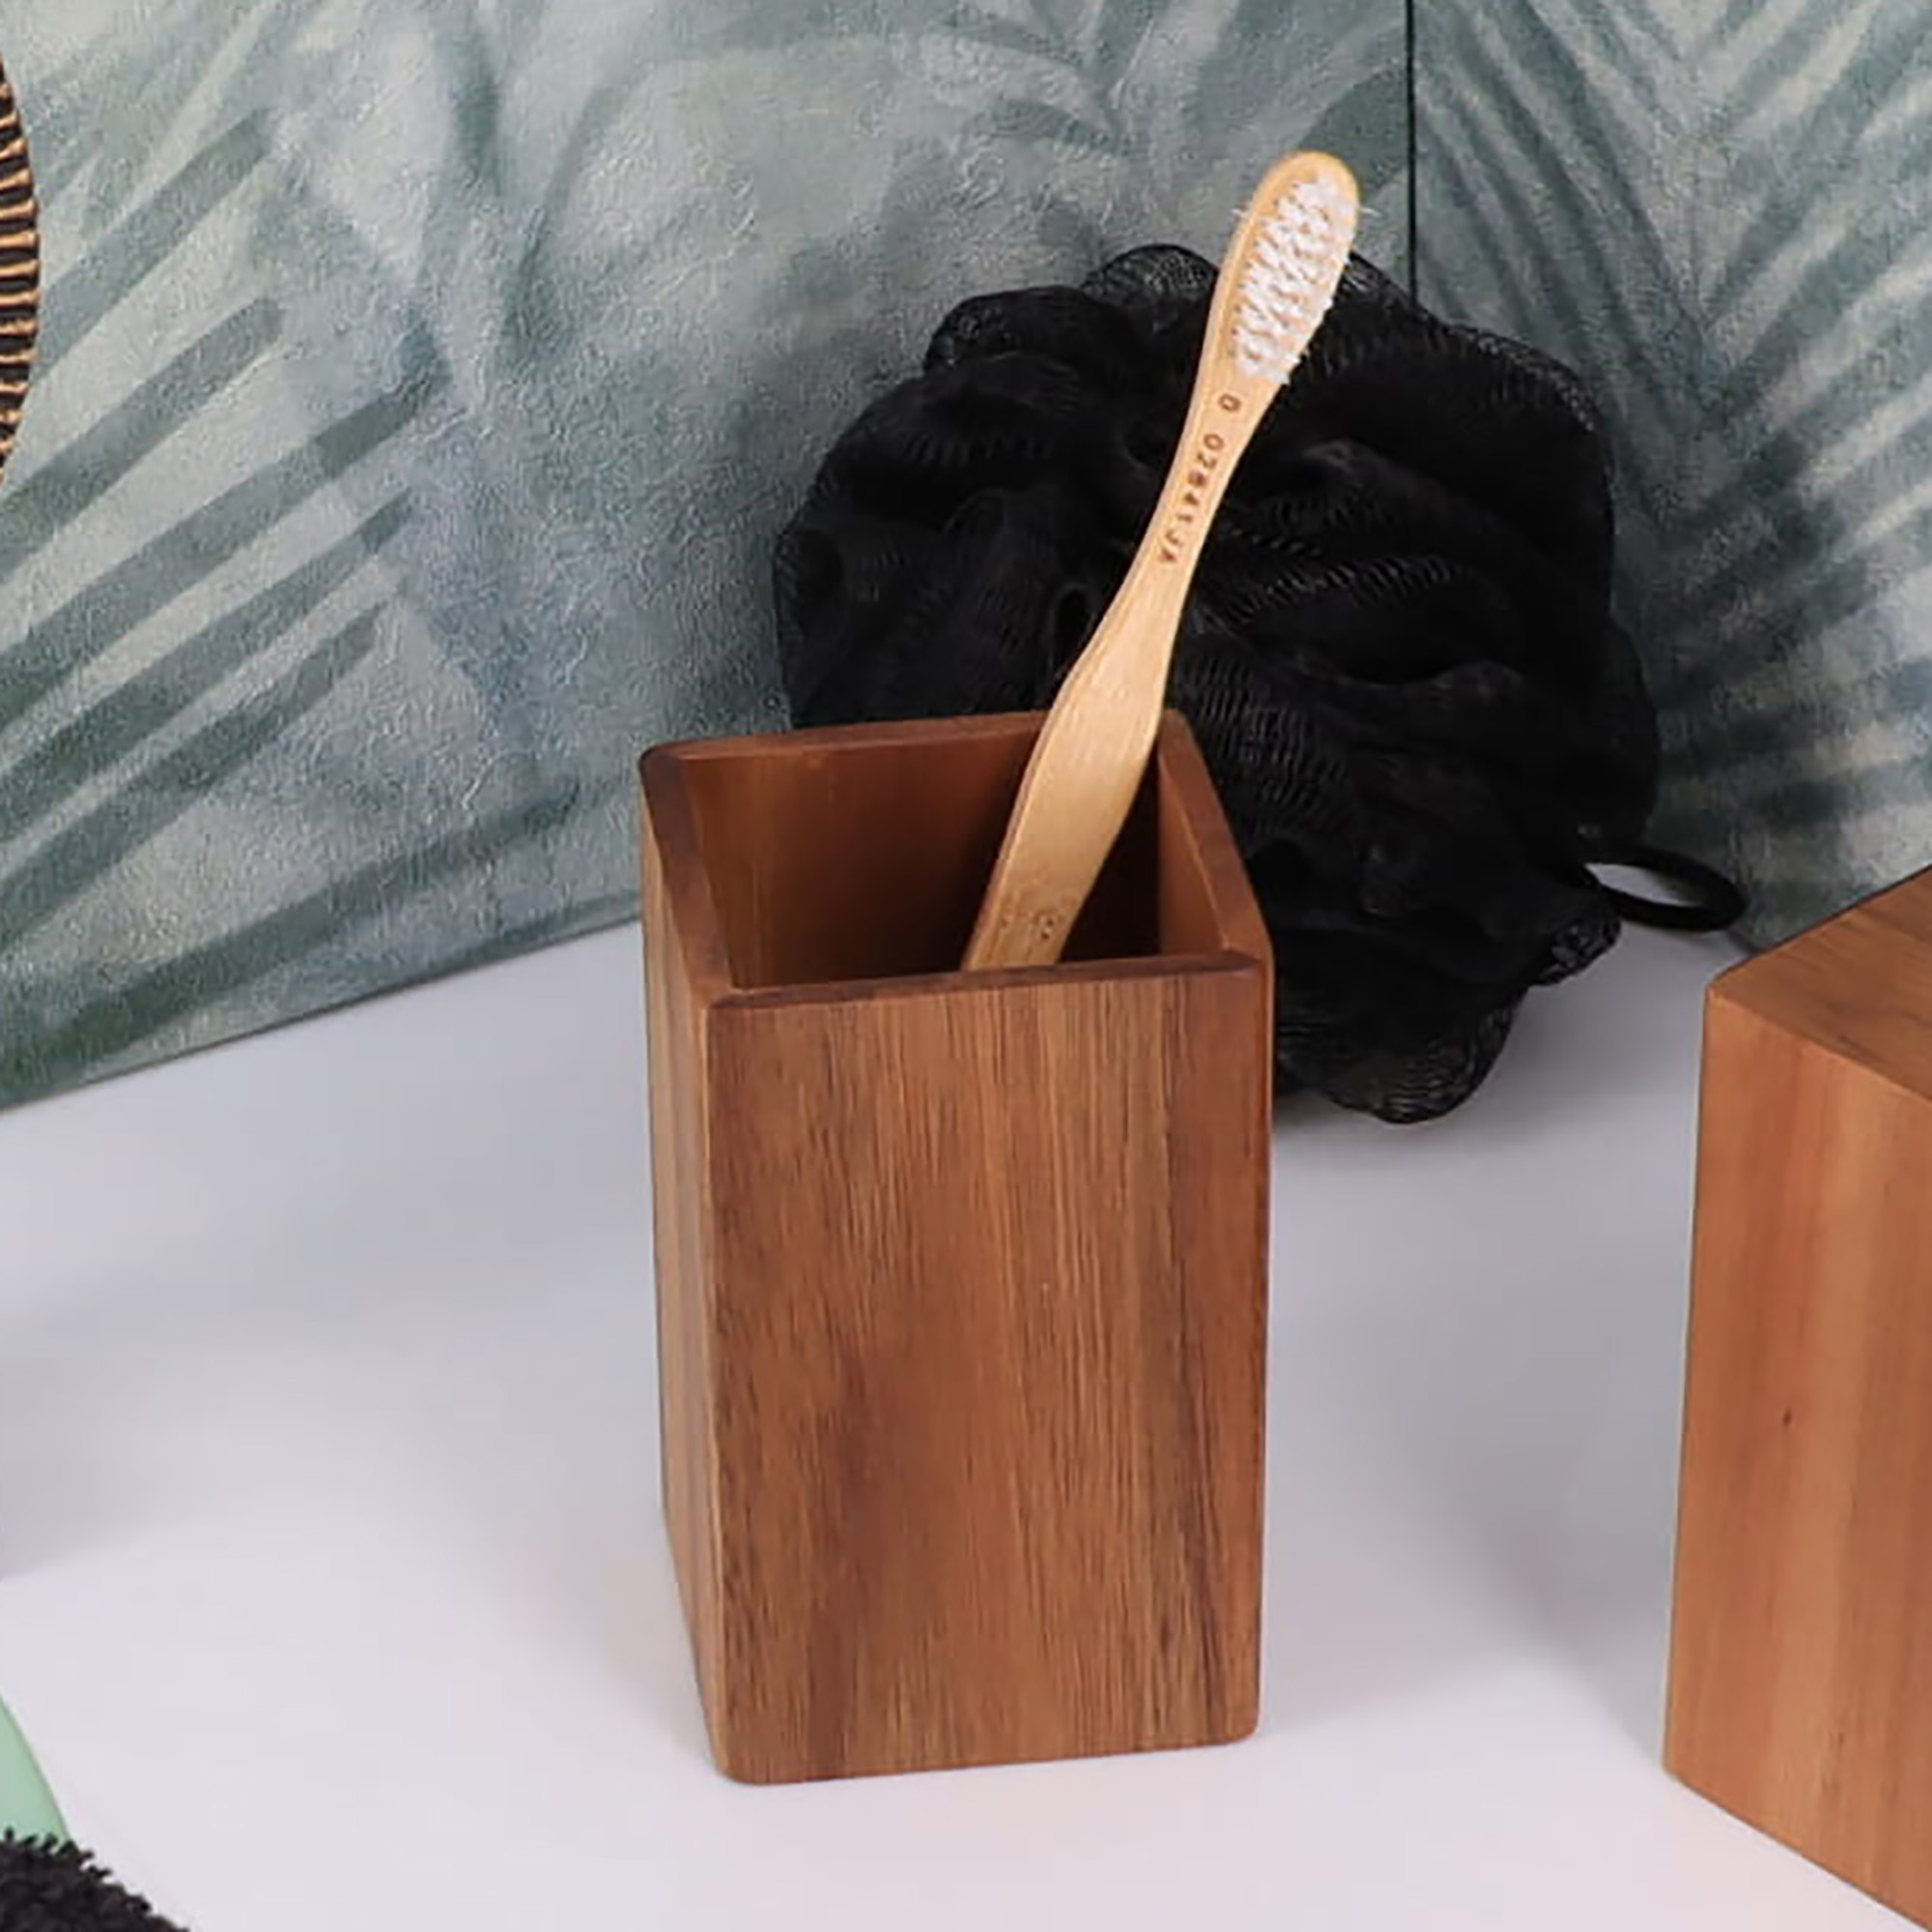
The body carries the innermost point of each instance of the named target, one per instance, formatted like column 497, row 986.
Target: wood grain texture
column 962, row 1278
column 1801, row 1694
column 677, row 988
column 19, row 268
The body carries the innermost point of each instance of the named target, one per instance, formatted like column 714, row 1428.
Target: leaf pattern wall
column 1720, row 212
column 422, row 382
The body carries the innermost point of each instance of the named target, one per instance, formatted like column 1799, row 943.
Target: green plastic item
column 27, row 1807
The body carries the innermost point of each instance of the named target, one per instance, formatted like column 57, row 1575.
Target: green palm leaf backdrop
column 422, row 382
column 1720, row 212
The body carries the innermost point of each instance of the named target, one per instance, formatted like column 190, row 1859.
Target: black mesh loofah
column 1398, row 655
column 45, row 1887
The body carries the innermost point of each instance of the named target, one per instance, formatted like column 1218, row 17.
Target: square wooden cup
column 961, row 1277
column 1801, row 1666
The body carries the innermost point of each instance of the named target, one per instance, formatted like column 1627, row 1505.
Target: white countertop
column 333, row 1591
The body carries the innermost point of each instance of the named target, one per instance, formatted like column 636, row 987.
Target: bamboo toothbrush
column 1280, row 275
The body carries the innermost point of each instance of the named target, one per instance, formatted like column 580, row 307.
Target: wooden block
column 1801, row 1694
column 962, row 1278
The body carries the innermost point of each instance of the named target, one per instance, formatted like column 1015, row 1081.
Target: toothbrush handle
column 1073, row 799
column 1087, row 765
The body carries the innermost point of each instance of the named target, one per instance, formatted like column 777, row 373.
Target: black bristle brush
column 47, row 1883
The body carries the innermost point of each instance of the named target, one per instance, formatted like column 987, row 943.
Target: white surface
column 333, row 1591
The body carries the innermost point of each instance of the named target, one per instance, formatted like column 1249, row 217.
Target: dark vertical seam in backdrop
column 1415, row 178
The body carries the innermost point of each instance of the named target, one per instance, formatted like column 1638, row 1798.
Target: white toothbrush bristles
column 1293, row 270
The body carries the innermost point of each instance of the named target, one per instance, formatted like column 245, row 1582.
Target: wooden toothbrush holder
column 1801, row 1683
column 961, row 1277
